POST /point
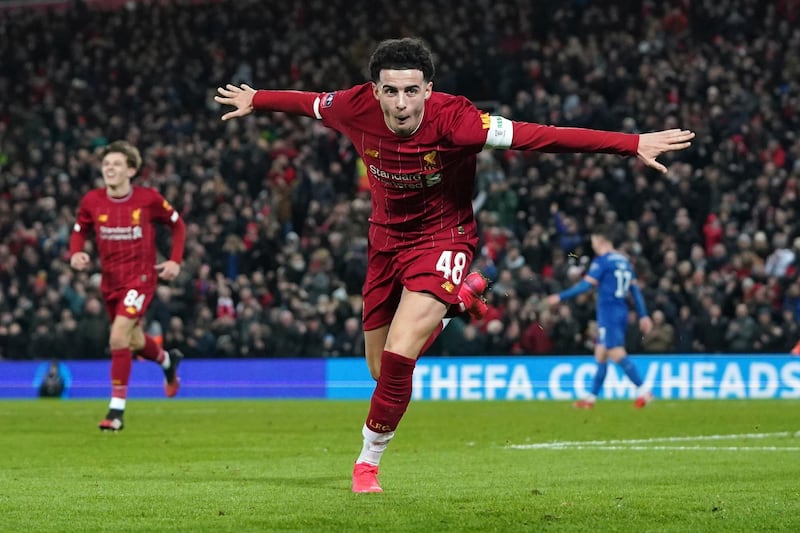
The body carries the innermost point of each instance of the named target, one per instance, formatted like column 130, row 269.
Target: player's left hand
column 553, row 299
column 646, row 325
column 652, row 145
column 168, row 270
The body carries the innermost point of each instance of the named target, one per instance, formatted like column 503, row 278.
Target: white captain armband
column 500, row 133
column 174, row 217
column 316, row 108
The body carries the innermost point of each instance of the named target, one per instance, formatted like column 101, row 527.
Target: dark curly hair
column 401, row 54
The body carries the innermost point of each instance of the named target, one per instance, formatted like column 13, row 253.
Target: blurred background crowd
column 277, row 206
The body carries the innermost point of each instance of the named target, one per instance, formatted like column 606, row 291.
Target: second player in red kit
column 123, row 218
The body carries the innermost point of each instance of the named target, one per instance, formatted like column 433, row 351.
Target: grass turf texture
column 285, row 466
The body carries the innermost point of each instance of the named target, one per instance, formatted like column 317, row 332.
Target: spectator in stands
column 686, row 331
column 660, row 339
column 93, row 330
column 742, row 331
column 566, row 332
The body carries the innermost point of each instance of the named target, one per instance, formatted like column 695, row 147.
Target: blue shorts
column 611, row 333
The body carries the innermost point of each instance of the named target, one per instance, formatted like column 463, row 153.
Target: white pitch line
column 626, row 442
column 684, row 448
column 630, row 444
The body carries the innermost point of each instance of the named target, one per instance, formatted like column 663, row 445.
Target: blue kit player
column 612, row 275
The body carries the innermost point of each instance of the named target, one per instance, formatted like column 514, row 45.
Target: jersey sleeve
column 334, row 109
column 595, row 271
column 83, row 224
column 162, row 211
column 292, row 102
column 473, row 127
column 338, row 108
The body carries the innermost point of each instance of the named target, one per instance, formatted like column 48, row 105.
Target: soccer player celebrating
column 611, row 273
column 124, row 217
column 419, row 147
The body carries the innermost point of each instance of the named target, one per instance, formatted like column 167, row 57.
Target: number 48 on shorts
column 452, row 265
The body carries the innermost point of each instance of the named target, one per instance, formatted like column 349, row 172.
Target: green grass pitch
column 240, row 466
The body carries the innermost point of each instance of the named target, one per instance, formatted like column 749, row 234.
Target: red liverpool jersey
column 422, row 184
column 124, row 230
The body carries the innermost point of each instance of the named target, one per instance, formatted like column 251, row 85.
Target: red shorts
column 131, row 302
column 438, row 271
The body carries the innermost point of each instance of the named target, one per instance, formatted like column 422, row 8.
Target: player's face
column 402, row 95
column 116, row 172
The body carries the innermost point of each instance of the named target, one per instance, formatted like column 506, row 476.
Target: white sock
column 642, row 391
column 590, row 398
column 117, row 403
column 166, row 362
column 374, row 446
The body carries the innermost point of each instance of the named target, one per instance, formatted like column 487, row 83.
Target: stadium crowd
column 276, row 207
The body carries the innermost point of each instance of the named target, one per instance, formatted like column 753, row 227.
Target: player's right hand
column 239, row 97
column 645, row 325
column 79, row 260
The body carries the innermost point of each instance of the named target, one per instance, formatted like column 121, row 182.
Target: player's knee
column 137, row 340
column 374, row 369
column 119, row 340
column 375, row 373
column 617, row 354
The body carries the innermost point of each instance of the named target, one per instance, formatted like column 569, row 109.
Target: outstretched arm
column 475, row 128
column 246, row 100
column 647, row 146
column 584, row 285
